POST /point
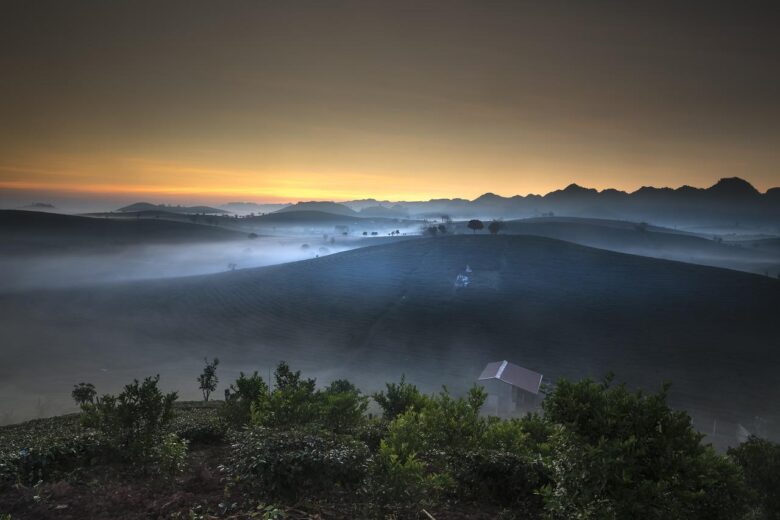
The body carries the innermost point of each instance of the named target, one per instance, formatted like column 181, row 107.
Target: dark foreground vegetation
column 292, row 450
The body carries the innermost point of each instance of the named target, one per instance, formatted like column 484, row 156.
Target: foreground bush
column 618, row 454
column 198, row 425
column 599, row 451
column 134, row 422
column 239, row 398
column 441, row 447
column 760, row 462
column 50, row 451
column 293, row 464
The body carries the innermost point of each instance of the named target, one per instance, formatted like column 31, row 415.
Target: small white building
column 512, row 389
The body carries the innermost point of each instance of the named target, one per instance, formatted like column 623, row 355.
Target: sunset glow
column 344, row 102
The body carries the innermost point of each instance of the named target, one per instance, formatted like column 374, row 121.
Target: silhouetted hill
column 33, row 231
column 325, row 207
column 146, row 206
column 728, row 202
column 374, row 313
column 303, row 217
column 40, row 206
column 251, row 207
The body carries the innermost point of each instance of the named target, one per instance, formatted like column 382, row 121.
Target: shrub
column 293, row 464
column 47, row 456
column 134, row 421
column 621, row 454
column 237, row 409
column 398, row 399
column 293, row 401
column 501, row 477
column 760, row 463
column 198, row 425
column 443, row 423
column 171, row 455
column 342, row 407
column 398, row 481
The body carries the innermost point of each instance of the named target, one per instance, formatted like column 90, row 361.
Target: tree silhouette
column 475, row 225
column 208, row 379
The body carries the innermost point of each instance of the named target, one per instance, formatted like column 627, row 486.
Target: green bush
column 342, row 407
column 619, row 454
column 760, row 462
column 134, row 421
column 439, row 424
column 398, row 398
column 293, row 464
column 198, row 425
column 398, row 482
column 237, row 409
column 49, row 458
column 504, row 467
column 293, row 402
column 171, row 455
column 500, row 477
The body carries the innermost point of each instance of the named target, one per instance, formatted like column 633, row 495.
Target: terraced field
column 371, row 314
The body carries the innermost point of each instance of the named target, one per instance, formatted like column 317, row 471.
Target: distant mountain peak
column 148, row 206
column 573, row 189
column 733, row 186
column 326, row 206
column 487, row 197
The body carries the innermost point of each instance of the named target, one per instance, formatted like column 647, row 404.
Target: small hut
column 512, row 389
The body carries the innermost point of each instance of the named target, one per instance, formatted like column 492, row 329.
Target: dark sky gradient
column 213, row 101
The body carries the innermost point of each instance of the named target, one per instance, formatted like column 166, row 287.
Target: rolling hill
column 322, row 206
column 36, row 232
column 146, row 206
column 374, row 313
column 652, row 241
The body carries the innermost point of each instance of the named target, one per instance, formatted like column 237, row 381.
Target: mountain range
column 731, row 202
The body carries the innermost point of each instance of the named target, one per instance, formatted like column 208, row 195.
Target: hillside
column 34, row 232
column 373, row 313
column 325, row 207
column 146, row 206
column 652, row 241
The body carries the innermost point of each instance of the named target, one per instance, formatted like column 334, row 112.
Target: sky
column 207, row 101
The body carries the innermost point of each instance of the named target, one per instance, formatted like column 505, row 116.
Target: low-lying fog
column 23, row 272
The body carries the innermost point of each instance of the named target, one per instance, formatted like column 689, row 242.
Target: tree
column 475, row 225
column 622, row 454
column 208, row 379
column 84, row 393
column 240, row 396
column 293, row 401
column 135, row 420
column 760, row 462
column 343, row 407
column 495, row 226
column 398, row 398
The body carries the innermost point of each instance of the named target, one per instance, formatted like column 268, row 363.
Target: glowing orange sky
column 397, row 101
